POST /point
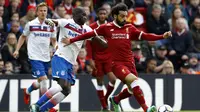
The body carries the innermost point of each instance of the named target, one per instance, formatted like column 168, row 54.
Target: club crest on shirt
column 38, row 72
column 123, row 71
column 62, row 72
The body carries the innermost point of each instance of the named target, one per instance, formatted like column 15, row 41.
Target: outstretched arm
column 51, row 22
column 140, row 35
column 83, row 36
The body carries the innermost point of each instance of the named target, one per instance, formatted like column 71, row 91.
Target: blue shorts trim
column 62, row 69
column 39, row 68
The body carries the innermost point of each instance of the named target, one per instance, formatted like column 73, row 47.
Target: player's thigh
column 62, row 69
column 47, row 65
column 112, row 78
column 99, row 67
column 38, row 68
column 107, row 66
column 121, row 72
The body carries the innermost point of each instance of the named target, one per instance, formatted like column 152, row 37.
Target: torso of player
column 38, row 40
column 119, row 42
column 99, row 52
column 69, row 29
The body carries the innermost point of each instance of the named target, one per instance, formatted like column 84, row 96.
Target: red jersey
column 119, row 39
column 95, row 50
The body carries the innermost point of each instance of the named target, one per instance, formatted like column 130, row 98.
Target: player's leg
column 60, row 73
column 49, row 94
column 99, row 89
column 43, row 78
column 58, row 97
column 111, row 84
column 132, row 81
column 117, row 70
column 126, row 75
column 38, row 70
column 112, row 78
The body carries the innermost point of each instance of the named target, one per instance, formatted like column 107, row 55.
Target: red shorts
column 122, row 69
column 103, row 67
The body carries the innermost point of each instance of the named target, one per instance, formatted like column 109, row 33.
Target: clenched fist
column 167, row 34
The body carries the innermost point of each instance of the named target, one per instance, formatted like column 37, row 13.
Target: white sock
column 43, row 86
column 134, row 84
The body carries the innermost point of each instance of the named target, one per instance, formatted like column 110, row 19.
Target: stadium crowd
column 179, row 54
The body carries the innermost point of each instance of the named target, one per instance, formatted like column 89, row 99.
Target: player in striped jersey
column 63, row 60
column 38, row 35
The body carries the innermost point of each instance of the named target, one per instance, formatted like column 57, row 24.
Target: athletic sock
column 110, row 88
column 48, row 95
column 34, row 86
column 57, row 98
column 122, row 95
column 139, row 96
column 100, row 94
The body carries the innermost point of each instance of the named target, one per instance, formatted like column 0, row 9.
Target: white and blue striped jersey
column 70, row 29
column 38, row 37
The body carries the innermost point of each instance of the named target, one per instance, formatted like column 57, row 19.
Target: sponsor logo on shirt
column 42, row 35
column 120, row 36
column 72, row 34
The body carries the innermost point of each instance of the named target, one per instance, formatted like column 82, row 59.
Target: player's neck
column 117, row 25
column 41, row 20
column 101, row 22
column 78, row 23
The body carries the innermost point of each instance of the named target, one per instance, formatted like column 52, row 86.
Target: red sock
column 102, row 98
column 122, row 95
column 139, row 96
column 109, row 91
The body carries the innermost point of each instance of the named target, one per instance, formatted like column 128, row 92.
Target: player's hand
column 101, row 40
column 167, row 34
column 66, row 41
column 49, row 22
column 16, row 54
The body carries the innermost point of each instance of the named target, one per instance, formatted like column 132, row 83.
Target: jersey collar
column 116, row 24
column 99, row 23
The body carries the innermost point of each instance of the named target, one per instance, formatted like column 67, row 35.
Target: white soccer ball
column 165, row 108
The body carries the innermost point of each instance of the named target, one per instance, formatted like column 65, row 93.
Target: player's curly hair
column 119, row 7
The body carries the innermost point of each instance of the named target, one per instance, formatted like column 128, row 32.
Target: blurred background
column 167, row 59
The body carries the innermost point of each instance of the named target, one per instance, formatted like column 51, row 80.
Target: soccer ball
column 165, row 108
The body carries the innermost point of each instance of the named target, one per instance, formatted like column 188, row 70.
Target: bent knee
column 130, row 78
column 66, row 91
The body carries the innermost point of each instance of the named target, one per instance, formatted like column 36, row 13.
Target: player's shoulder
column 64, row 20
column 129, row 25
column 32, row 21
column 108, row 24
column 88, row 28
column 93, row 24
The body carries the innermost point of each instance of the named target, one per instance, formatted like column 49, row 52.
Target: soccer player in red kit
column 100, row 61
column 119, row 36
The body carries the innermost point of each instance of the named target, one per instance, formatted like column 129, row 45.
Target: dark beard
column 120, row 23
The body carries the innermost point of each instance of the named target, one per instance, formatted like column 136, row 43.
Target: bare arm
column 54, row 42
column 21, row 40
column 51, row 22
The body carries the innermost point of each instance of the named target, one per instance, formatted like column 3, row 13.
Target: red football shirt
column 119, row 39
column 95, row 50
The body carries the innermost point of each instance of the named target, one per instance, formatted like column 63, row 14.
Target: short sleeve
column 100, row 30
column 62, row 22
column 26, row 30
column 135, row 34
